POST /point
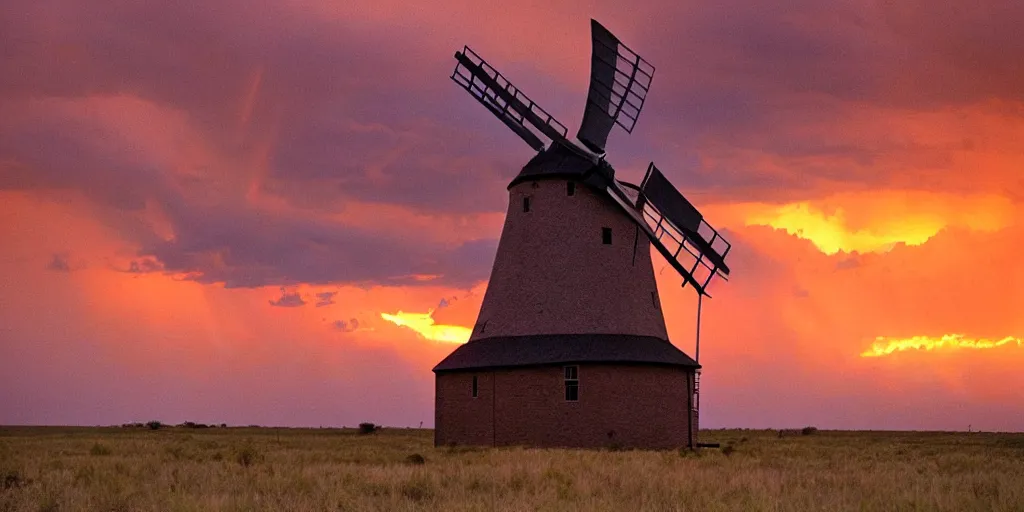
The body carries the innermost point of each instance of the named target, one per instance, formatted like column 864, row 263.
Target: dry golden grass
column 49, row 468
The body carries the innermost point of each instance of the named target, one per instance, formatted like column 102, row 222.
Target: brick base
column 627, row 406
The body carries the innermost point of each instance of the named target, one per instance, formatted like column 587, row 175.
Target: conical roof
column 557, row 161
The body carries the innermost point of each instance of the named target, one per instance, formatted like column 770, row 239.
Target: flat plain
column 177, row 468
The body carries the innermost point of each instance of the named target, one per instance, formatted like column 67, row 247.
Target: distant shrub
column 247, row 456
column 808, row 431
column 728, row 450
column 223, row 425
column 191, row 424
column 367, row 428
column 154, row 425
column 13, row 480
column 99, row 450
column 415, row 459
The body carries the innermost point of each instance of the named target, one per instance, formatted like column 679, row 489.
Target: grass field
column 121, row 469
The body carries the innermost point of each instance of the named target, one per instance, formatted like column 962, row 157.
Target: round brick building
column 570, row 347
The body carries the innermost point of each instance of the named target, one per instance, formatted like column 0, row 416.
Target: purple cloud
column 344, row 326
column 288, row 300
column 185, row 110
column 325, row 299
column 59, row 263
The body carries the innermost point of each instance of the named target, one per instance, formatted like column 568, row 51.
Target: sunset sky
column 285, row 213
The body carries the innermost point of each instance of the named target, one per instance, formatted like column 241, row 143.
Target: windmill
column 556, row 297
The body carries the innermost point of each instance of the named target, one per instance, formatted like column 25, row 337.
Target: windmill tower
column 570, row 346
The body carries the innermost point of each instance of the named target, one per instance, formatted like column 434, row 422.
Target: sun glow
column 423, row 324
column 830, row 234
column 884, row 346
column 877, row 222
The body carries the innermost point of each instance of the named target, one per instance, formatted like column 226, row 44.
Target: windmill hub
column 570, row 342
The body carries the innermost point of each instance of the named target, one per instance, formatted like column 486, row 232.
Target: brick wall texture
column 553, row 275
column 629, row 406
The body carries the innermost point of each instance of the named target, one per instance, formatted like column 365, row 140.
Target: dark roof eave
column 549, row 349
column 567, row 362
column 577, row 176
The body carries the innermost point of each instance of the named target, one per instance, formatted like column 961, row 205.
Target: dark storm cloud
column 348, row 112
column 259, row 250
column 144, row 266
column 736, row 60
column 423, row 164
column 316, row 87
column 219, row 237
column 738, row 84
column 314, row 80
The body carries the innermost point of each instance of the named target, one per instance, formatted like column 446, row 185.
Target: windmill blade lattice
column 504, row 100
column 619, row 81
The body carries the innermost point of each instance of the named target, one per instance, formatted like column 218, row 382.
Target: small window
column 572, row 383
column 474, row 387
column 526, row 204
column 570, row 188
column 606, row 236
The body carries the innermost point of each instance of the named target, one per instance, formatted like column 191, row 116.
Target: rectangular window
column 474, row 387
column 606, row 236
column 526, row 204
column 572, row 383
column 570, row 188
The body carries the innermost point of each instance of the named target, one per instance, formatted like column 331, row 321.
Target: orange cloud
column 423, row 324
column 884, row 346
column 877, row 221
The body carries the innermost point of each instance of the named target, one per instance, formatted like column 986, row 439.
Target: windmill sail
column 667, row 202
column 619, row 81
column 692, row 255
column 622, row 199
column 505, row 101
